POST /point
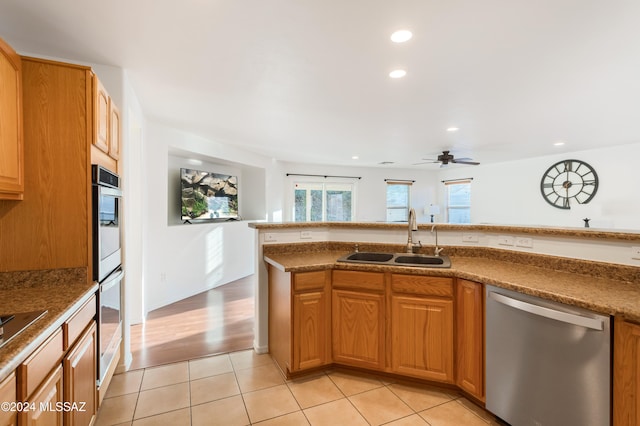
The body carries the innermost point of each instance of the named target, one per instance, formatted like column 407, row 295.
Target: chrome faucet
column 436, row 250
column 413, row 226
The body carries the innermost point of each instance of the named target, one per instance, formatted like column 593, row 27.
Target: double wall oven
column 107, row 264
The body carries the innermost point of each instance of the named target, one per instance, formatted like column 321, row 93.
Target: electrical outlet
column 163, row 277
column 524, row 242
column 470, row 238
column 635, row 253
column 305, row 235
column 270, row 237
column 505, row 240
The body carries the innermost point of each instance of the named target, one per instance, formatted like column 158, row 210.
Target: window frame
column 407, row 207
column 326, row 186
column 449, row 185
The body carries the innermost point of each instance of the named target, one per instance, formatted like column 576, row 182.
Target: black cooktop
column 12, row 324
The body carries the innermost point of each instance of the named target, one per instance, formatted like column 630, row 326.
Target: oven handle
column 113, row 192
column 592, row 323
column 113, row 280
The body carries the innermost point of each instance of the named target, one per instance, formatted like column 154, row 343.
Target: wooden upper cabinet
column 101, row 117
column 106, row 121
column 114, row 135
column 11, row 131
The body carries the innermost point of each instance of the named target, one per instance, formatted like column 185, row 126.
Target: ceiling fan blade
column 427, row 161
column 461, row 161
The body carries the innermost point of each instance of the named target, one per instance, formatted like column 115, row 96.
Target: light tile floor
column 245, row 388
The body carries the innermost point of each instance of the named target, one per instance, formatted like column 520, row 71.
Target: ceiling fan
column 446, row 158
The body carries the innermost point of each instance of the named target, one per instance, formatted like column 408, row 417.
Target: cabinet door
column 422, row 337
column 8, row 394
column 358, row 328
column 48, row 395
column 80, row 380
column 114, row 135
column 309, row 330
column 11, row 136
column 626, row 374
column 101, row 116
column 470, row 338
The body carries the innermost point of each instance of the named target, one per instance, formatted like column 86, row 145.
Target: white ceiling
column 307, row 80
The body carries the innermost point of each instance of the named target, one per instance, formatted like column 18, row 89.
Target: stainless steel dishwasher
column 547, row 364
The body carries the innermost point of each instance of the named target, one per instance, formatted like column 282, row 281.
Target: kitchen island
column 300, row 263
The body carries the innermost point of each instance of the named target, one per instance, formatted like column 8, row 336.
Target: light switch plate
column 470, row 238
column 505, row 240
column 524, row 242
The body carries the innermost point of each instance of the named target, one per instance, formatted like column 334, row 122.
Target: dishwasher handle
column 592, row 323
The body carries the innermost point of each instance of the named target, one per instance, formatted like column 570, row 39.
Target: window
column 326, row 202
column 459, row 201
column 398, row 201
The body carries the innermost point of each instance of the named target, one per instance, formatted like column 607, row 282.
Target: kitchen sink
column 370, row 257
column 398, row 259
column 423, row 260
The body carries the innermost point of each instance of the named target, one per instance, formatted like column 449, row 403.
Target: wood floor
column 217, row 321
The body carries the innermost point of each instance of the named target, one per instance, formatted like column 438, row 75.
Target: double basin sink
column 398, row 259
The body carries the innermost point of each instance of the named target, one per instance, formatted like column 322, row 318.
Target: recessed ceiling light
column 559, row 143
column 452, row 129
column 397, row 73
column 355, row 157
column 401, row 36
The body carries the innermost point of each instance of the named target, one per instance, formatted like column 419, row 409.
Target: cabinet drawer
column 8, row 394
column 75, row 325
column 359, row 280
column 33, row 371
column 418, row 284
column 303, row 281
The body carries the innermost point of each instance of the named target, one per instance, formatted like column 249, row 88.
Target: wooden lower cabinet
column 470, row 337
column 45, row 400
column 310, row 330
column 358, row 328
column 8, row 394
column 422, row 337
column 626, row 374
column 80, row 380
column 299, row 319
column 418, row 326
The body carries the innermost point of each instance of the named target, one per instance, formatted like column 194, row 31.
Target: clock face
column 569, row 182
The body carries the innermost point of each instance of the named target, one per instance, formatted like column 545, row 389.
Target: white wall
column 509, row 193
column 370, row 189
column 181, row 260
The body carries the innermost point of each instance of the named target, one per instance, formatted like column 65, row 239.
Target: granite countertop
column 597, row 293
column 554, row 231
column 61, row 292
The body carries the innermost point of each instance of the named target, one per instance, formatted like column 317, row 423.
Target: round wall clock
column 569, row 181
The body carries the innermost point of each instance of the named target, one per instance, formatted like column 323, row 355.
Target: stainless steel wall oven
column 107, row 263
